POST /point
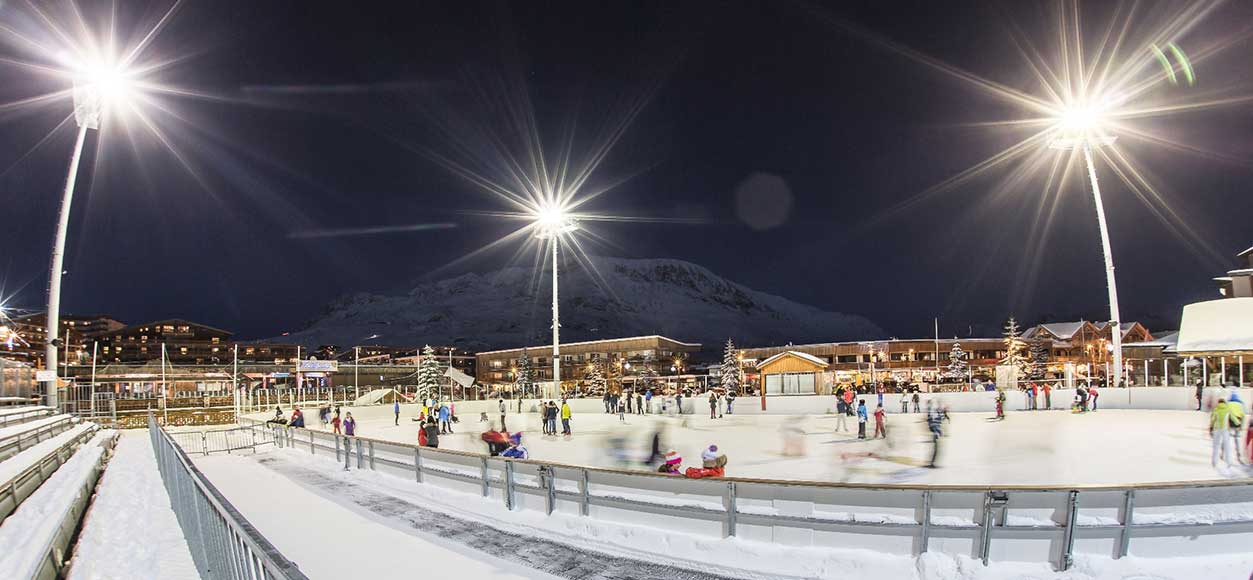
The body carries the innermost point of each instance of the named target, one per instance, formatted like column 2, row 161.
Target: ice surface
column 1041, row 447
column 130, row 530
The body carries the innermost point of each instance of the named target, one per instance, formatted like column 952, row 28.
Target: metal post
column 311, row 451
column 731, row 509
column 1068, row 545
column 417, row 464
column 585, row 492
column 556, row 326
column 94, row 344
column 347, row 452
column 58, row 266
column 359, row 454
column 204, row 443
column 509, row 485
column 337, row 448
column 985, row 540
column 370, row 446
column 926, row 521
column 546, row 478
column 1128, row 509
column 483, row 474
column 1115, row 320
column 355, row 366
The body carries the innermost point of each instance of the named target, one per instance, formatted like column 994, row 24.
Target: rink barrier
column 222, row 542
column 1002, row 523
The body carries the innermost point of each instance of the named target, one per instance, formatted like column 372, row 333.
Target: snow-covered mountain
column 499, row 309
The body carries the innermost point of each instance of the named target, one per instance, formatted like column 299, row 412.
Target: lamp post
column 1078, row 124
column 552, row 223
column 94, row 88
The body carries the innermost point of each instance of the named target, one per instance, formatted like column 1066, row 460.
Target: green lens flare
column 1165, row 62
column 1182, row 59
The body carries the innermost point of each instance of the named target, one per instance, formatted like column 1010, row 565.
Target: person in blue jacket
column 444, row 426
column 516, row 450
column 396, row 410
column 862, row 416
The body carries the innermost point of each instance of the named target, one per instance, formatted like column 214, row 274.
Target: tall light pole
column 552, row 223
column 1078, row 124
column 93, row 90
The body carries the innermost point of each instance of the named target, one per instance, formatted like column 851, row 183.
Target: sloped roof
column 1169, row 340
column 801, row 355
column 1245, row 253
column 1062, row 330
column 1224, row 325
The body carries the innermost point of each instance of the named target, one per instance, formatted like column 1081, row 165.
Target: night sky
column 329, row 115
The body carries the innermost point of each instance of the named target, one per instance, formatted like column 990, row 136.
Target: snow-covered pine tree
column 430, row 373
column 730, row 369
column 1015, row 348
column 595, row 377
column 524, row 383
column 1039, row 360
column 956, row 363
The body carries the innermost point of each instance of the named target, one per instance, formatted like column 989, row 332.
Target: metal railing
column 1016, row 523
column 15, row 444
column 17, row 415
column 223, row 543
column 207, row 441
column 25, row 483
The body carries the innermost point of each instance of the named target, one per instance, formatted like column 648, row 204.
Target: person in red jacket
column 879, row 430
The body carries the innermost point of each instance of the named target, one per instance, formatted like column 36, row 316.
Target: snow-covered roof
column 1245, row 253
column 1063, row 330
column 1167, row 341
column 801, row 355
column 1224, row 325
column 1241, row 272
column 587, row 342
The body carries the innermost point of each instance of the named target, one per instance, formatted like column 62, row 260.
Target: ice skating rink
column 1027, row 448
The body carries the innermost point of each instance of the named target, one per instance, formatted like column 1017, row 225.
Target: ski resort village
column 628, row 290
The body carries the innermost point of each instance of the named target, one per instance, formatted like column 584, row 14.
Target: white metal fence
column 1001, row 523
column 223, row 544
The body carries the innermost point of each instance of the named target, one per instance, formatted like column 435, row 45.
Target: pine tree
column 524, row 382
column 429, row 373
column 956, row 363
column 730, row 369
column 1039, row 360
column 646, row 374
column 1015, row 348
column 595, row 377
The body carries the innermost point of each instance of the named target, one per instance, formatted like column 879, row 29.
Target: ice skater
column 879, row 428
column 1221, row 423
column 935, row 420
column 904, row 404
column 861, row 419
column 731, row 403
column 503, row 410
column 350, row 425
column 713, row 405
column 516, row 449
column 917, row 401
column 841, row 416
column 396, row 411
column 445, row 424
column 1000, row 405
column 565, row 418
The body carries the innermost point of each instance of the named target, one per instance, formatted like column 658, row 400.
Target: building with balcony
column 624, row 360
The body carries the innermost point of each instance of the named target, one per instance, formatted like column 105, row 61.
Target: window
column 498, row 364
column 847, row 358
column 143, row 338
column 182, row 350
column 215, row 349
column 216, row 340
column 790, row 384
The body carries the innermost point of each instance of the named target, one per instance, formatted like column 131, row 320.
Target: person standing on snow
column 503, row 409
column 335, row 425
column 917, row 400
column 861, row 419
column 841, row 415
column 1093, row 394
column 431, row 431
column 396, row 411
column 350, row 425
column 731, row 402
column 1235, row 407
column 713, row 405
column 1200, row 392
column 1000, row 404
column 879, row 430
column 904, row 403
column 639, row 404
column 565, row 417
column 1220, row 432
column 1048, row 397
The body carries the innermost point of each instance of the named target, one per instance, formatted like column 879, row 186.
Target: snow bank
column 14, row 466
column 25, row 534
column 130, row 530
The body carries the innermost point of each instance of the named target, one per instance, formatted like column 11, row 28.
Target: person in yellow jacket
column 565, row 417
column 1220, row 430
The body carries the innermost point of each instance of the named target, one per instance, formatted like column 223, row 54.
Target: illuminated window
column 216, row 340
column 182, row 350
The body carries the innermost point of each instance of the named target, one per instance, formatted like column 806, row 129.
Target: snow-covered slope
column 499, row 309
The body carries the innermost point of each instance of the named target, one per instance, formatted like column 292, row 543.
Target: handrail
column 208, row 518
column 739, row 502
column 807, row 483
column 14, row 491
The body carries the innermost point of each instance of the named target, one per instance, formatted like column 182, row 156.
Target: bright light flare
column 1080, row 118
column 552, row 220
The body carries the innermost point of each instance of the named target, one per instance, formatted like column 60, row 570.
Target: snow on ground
column 24, row 534
column 330, row 540
column 130, row 530
column 312, row 500
column 1040, row 447
column 14, row 466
